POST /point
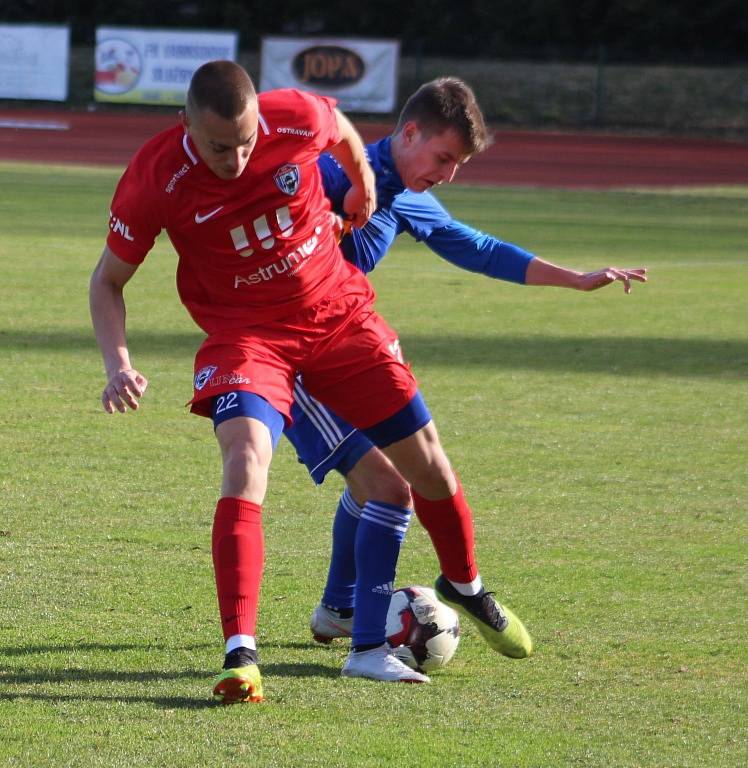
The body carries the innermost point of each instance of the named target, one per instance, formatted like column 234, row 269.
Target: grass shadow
column 62, row 678
column 25, row 650
column 162, row 702
column 301, row 645
column 298, row 670
column 81, row 675
column 624, row 356
column 169, row 345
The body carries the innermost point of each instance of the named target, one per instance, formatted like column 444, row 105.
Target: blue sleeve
column 366, row 247
column 419, row 213
column 334, row 180
column 475, row 251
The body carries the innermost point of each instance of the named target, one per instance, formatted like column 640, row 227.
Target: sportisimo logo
column 169, row 188
column 292, row 263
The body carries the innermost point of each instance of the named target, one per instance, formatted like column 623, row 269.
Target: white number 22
column 225, row 402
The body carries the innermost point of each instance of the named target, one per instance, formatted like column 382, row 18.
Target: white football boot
column 380, row 664
column 326, row 625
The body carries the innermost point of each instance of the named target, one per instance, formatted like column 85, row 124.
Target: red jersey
column 252, row 249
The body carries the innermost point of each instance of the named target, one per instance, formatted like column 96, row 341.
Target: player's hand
column 591, row 281
column 360, row 202
column 123, row 390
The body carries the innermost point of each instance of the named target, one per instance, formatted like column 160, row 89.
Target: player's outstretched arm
column 125, row 385
column 540, row 272
column 361, row 199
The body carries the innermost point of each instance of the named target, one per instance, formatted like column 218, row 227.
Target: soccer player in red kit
column 237, row 189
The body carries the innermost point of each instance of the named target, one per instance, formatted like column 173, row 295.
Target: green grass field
column 602, row 439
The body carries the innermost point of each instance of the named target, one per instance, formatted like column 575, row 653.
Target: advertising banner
column 360, row 73
column 34, row 60
column 154, row 66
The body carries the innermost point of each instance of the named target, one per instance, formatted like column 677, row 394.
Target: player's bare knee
column 435, row 487
column 432, row 477
column 248, row 458
column 244, row 461
column 397, row 491
column 375, row 478
column 390, row 488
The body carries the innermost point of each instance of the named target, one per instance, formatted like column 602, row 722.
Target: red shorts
column 349, row 357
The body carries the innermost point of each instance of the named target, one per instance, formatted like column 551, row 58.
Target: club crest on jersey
column 287, row 178
column 202, row 377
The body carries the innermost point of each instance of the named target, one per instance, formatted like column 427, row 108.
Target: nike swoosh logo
column 200, row 219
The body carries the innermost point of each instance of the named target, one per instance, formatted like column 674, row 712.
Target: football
column 422, row 631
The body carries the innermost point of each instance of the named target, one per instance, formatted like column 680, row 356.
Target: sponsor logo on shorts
column 287, row 178
column 202, row 377
column 289, row 265
column 228, row 378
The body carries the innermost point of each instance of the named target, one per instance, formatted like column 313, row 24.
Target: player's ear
column 410, row 131
column 183, row 119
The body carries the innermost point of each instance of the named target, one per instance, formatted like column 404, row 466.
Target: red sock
column 449, row 523
column 238, row 559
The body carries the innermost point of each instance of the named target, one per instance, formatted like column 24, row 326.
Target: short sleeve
column 324, row 123
column 327, row 115
column 133, row 219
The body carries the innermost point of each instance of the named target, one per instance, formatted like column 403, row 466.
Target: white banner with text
column 360, row 73
column 154, row 66
column 34, row 61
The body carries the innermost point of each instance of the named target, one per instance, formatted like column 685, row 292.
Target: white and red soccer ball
column 422, row 631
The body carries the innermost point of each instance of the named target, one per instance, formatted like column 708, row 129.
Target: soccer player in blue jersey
column 439, row 128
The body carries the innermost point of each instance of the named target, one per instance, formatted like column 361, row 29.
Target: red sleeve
column 309, row 117
column 133, row 219
column 328, row 122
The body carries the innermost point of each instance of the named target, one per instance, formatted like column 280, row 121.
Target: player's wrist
column 117, row 369
column 577, row 280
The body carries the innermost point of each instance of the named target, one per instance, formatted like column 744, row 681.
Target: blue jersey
column 323, row 441
column 422, row 216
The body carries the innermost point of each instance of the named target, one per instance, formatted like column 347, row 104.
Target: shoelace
column 492, row 610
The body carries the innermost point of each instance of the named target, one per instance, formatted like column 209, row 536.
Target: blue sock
column 341, row 578
column 380, row 534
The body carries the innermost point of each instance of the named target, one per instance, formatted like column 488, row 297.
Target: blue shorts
column 240, row 403
column 323, row 441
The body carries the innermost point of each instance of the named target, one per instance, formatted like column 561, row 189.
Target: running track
column 517, row 158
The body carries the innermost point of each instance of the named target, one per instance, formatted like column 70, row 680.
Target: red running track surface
column 517, row 158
